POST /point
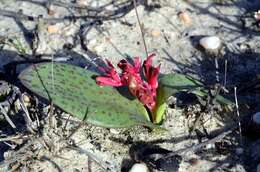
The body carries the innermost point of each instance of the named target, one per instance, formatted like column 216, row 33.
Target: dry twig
column 8, row 119
column 13, row 138
column 238, row 115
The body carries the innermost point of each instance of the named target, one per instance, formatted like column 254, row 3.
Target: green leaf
column 171, row 84
column 74, row 90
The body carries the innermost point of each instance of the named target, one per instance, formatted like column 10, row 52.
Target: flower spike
column 144, row 90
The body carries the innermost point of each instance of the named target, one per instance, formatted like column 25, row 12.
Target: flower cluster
column 144, row 90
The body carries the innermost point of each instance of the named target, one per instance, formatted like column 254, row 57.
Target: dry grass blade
column 13, row 138
column 238, row 115
column 8, row 119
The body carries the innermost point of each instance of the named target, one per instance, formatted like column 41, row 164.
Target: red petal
column 146, row 96
column 128, row 67
column 148, row 64
column 151, row 73
column 153, row 77
column 142, row 91
column 128, row 70
column 106, row 81
column 125, row 66
column 114, row 75
column 112, row 78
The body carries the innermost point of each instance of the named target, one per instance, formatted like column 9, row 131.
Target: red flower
column 144, row 90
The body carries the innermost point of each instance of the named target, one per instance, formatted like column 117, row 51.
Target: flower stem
column 139, row 23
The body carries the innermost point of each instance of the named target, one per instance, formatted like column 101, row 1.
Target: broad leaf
column 170, row 84
column 74, row 90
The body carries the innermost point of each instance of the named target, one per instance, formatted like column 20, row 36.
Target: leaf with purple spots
column 74, row 90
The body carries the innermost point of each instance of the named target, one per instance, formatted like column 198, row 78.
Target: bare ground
column 110, row 30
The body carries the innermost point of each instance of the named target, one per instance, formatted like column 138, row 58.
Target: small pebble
column 257, row 15
column 256, row 118
column 239, row 151
column 156, row 33
column 53, row 29
column 114, row 131
column 244, row 47
column 185, row 18
column 210, row 146
column 139, row 167
column 82, row 3
column 210, row 43
column 26, row 100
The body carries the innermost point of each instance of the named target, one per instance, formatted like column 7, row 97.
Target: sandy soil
column 87, row 41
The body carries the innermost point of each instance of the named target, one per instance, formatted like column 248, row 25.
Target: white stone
column 82, row 2
column 114, row 131
column 256, row 118
column 139, row 167
column 210, row 42
column 210, row 146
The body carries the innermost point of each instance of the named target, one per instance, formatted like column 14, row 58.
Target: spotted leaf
column 74, row 90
